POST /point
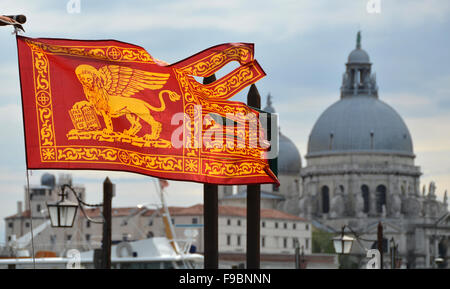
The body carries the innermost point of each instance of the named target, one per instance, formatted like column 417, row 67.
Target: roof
column 116, row 212
column 359, row 121
column 323, row 227
column 264, row 195
column 232, row 211
column 358, row 56
column 360, row 124
column 196, row 210
column 25, row 214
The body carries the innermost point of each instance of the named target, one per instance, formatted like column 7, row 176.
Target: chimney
column 19, row 208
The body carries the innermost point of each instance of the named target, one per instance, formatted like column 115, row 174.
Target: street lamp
column 438, row 261
column 62, row 214
column 343, row 243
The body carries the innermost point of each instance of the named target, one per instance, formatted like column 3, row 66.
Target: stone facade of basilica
column 360, row 171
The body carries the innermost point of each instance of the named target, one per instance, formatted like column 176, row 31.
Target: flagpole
column 253, row 202
column 170, row 230
column 211, row 216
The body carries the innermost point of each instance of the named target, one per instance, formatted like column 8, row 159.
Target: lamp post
column 253, row 202
column 62, row 215
column 438, row 261
column 380, row 243
column 302, row 258
column 342, row 244
column 211, row 216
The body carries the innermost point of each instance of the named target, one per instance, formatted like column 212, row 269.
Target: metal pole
column 392, row 252
column 380, row 243
column 342, row 249
column 211, row 225
column 19, row 18
column 106, row 241
column 253, row 202
column 211, row 216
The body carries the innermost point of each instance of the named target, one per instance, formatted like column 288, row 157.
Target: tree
column 322, row 242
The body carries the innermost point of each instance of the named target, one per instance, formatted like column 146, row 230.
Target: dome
column 289, row 161
column 360, row 124
column 48, row 180
column 358, row 56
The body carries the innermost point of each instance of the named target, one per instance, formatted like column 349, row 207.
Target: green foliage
column 322, row 242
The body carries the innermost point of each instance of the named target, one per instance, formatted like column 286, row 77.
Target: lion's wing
column 125, row 81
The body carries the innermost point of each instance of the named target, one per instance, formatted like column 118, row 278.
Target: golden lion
column 108, row 91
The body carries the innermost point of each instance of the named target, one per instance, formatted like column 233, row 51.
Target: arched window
column 325, row 199
column 381, row 198
column 366, row 197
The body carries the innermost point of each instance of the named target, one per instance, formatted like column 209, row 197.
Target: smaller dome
column 358, row 56
column 48, row 180
column 289, row 161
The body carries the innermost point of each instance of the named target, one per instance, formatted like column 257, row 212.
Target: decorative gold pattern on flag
column 111, row 81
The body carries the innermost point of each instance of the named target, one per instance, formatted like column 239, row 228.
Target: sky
column 301, row 45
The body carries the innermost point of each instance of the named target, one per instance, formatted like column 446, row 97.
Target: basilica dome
column 359, row 121
column 360, row 124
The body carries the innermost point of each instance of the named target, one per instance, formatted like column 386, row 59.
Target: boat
column 152, row 253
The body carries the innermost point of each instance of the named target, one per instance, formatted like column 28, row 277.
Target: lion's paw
column 174, row 96
column 127, row 132
column 108, row 131
column 80, row 104
column 149, row 137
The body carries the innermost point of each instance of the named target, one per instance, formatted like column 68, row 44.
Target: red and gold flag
column 110, row 105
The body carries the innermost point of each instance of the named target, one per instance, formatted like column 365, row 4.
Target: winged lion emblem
column 109, row 92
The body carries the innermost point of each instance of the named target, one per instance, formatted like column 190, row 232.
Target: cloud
column 430, row 134
column 278, row 19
